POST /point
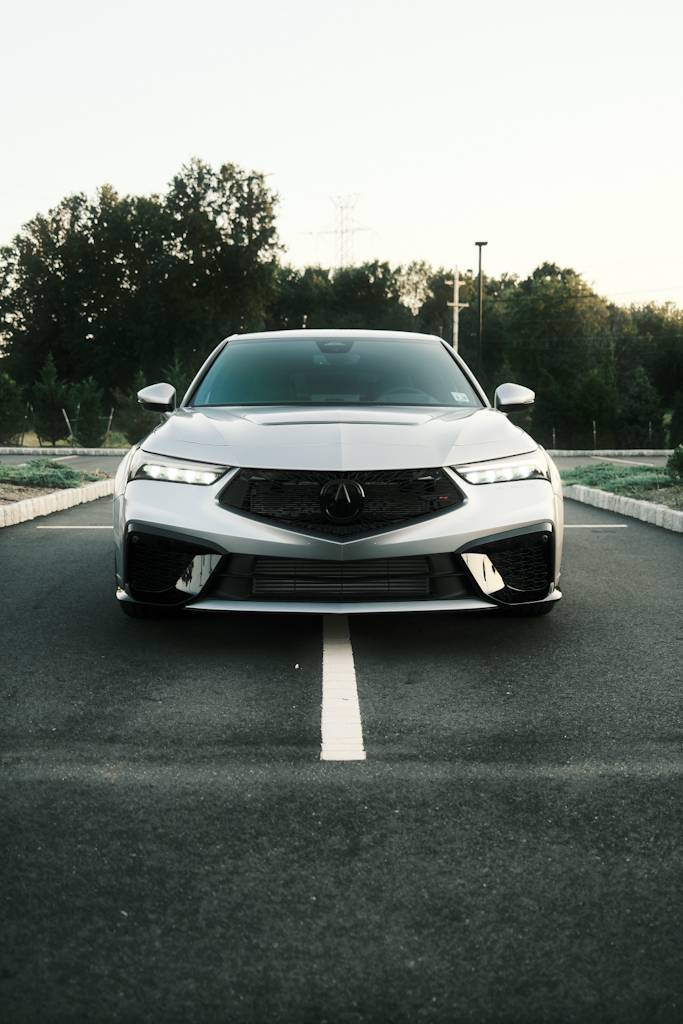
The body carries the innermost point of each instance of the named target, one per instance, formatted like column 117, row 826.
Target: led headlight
column 526, row 467
column 156, row 467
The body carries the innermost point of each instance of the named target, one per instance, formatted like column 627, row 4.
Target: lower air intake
column 255, row 578
column 164, row 570
column 155, row 563
column 383, row 577
column 525, row 564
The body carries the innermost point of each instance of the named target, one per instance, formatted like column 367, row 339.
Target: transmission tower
column 346, row 228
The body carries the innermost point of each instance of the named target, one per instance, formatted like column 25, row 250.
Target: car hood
column 337, row 439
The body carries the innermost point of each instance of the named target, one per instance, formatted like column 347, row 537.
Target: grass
column 642, row 482
column 44, row 473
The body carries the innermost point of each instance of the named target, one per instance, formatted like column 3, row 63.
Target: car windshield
column 335, row 371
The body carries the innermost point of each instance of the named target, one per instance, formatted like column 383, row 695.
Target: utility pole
column 456, row 306
column 480, row 366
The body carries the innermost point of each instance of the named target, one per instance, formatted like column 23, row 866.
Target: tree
column 50, row 397
column 129, row 416
column 301, row 298
column 595, row 402
column 433, row 315
column 414, row 285
column 224, row 244
column 12, row 410
column 640, row 415
column 558, row 332
column 658, row 346
column 676, row 423
column 113, row 284
column 89, row 423
column 369, row 296
column 436, row 317
column 179, row 375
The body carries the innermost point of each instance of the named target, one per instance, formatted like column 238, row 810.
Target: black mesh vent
column 525, row 563
column 155, row 564
column 523, row 568
column 247, row 577
column 292, row 498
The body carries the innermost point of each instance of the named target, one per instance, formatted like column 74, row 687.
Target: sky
column 551, row 131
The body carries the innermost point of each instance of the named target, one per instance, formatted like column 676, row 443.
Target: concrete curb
column 33, row 452
column 646, row 511
column 31, row 508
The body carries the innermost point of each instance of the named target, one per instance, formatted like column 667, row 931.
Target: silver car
column 337, row 471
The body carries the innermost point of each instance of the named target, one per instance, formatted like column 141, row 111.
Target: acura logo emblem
column 341, row 501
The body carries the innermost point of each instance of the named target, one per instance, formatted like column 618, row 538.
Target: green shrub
column 50, row 397
column 619, row 479
column 44, row 473
column 116, row 439
column 676, row 421
column 674, row 463
column 12, row 410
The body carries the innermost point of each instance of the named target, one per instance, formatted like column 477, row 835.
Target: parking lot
column 176, row 850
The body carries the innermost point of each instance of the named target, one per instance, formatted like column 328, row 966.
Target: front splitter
column 357, row 607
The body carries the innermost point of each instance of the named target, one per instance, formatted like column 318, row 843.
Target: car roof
column 314, row 332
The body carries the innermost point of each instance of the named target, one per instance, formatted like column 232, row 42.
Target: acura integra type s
column 337, row 471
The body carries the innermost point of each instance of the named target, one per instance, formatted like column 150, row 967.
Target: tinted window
column 334, row 372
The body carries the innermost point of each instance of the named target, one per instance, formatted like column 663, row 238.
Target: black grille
column 291, row 498
column 525, row 563
column 246, row 577
column 523, row 568
column 384, row 577
column 155, row 565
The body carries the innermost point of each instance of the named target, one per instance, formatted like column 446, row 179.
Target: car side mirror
column 513, row 398
column 157, row 397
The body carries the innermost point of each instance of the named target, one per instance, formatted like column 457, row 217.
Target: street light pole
column 480, row 367
column 456, row 306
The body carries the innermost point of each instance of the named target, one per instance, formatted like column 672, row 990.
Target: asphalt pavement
column 173, row 848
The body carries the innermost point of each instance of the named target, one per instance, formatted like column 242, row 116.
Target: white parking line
column 340, row 723
column 65, row 458
column 74, row 527
column 596, row 526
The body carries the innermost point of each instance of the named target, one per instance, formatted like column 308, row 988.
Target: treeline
column 104, row 294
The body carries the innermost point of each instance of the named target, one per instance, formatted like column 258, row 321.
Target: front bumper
column 192, row 516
